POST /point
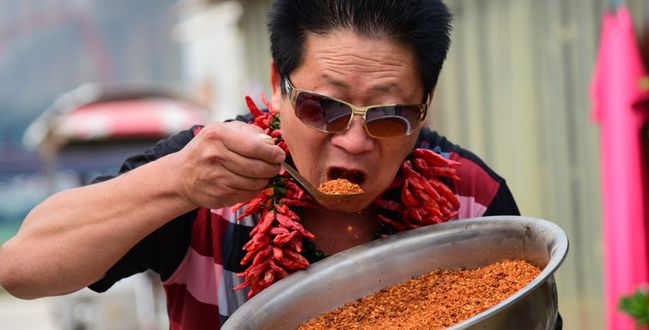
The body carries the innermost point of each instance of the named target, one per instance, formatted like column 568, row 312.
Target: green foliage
column 637, row 305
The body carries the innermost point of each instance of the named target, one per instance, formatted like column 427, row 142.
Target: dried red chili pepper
column 255, row 205
column 278, row 230
column 293, row 260
column 263, row 255
column 433, row 158
column 267, row 103
column 292, row 224
column 281, row 272
column 424, row 199
column 396, row 224
column 269, row 278
column 276, row 133
column 446, row 192
column 282, row 239
column 296, row 244
column 283, row 209
column 406, row 196
column 266, row 222
column 254, row 110
column 389, row 205
column 278, row 253
column 296, row 202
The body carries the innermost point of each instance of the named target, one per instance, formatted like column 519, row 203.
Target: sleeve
column 163, row 250
column 482, row 192
column 503, row 202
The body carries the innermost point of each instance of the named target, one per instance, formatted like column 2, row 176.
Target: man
column 170, row 209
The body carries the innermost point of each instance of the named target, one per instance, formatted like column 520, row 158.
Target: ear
column 429, row 103
column 276, row 85
column 430, row 96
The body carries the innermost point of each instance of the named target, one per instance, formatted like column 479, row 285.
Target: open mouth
column 354, row 176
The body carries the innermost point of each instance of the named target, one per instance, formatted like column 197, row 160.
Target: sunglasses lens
column 322, row 113
column 332, row 116
column 392, row 121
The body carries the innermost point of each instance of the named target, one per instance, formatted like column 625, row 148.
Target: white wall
column 212, row 57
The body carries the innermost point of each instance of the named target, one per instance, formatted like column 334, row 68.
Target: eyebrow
column 335, row 82
column 377, row 88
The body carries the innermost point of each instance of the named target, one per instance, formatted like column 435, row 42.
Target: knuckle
column 265, row 171
column 212, row 133
column 260, row 184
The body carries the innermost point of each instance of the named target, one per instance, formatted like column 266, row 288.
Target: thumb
column 265, row 138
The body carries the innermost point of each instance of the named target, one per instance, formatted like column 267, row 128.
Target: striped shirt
column 197, row 254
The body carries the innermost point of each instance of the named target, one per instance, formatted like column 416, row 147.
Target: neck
column 338, row 231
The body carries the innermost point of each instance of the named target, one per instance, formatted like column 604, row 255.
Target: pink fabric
column 615, row 90
column 200, row 275
column 470, row 208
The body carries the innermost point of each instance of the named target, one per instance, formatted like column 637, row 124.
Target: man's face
column 362, row 71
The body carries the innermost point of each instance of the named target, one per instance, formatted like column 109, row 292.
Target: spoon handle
column 302, row 181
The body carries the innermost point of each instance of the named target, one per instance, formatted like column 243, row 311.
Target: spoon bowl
column 315, row 192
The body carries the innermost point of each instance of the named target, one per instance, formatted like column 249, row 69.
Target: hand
column 227, row 163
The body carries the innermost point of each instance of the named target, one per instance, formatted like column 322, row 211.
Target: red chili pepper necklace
column 417, row 197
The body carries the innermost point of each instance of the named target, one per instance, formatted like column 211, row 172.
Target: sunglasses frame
column 293, row 93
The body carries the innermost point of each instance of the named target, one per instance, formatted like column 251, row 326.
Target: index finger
column 251, row 142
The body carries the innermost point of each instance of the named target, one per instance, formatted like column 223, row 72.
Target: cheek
column 394, row 154
column 290, row 125
column 400, row 148
column 303, row 142
column 290, row 134
column 286, row 120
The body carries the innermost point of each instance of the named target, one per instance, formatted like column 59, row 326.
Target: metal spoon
column 315, row 192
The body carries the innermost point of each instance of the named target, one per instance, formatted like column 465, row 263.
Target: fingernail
column 266, row 138
column 280, row 158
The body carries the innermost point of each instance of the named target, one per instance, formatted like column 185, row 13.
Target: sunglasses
column 331, row 115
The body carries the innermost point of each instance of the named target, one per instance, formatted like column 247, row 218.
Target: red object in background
column 616, row 92
column 136, row 118
column 115, row 111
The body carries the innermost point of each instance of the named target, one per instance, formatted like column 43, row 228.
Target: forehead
column 345, row 59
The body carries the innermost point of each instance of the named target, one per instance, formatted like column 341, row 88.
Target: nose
column 355, row 139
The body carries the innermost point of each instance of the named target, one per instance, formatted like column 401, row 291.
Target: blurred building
column 48, row 49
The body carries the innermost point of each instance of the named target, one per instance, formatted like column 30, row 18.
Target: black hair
column 422, row 26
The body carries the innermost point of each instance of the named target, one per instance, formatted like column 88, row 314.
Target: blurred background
column 515, row 90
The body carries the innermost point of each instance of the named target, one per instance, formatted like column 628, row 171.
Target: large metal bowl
column 368, row 268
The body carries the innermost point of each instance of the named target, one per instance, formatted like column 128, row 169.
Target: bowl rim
column 557, row 255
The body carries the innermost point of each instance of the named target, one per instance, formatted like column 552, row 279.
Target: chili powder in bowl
column 435, row 300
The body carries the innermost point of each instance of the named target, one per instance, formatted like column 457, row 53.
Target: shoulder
column 472, row 165
column 480, row 189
